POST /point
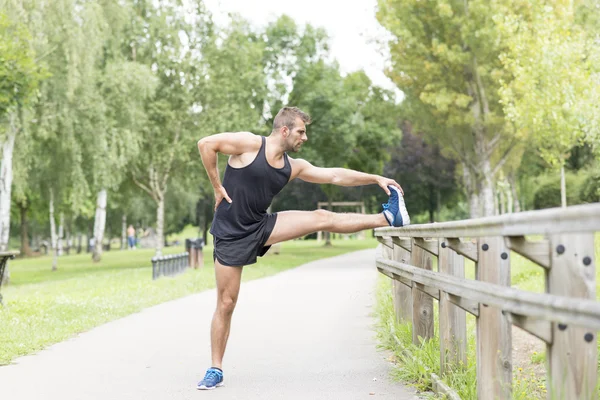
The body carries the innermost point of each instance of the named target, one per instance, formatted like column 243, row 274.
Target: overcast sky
column 352, row 31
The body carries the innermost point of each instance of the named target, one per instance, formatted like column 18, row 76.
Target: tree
column 427, row 177
column 168, row 38
column 19, row 78
column 550, row 97
column 445, row 58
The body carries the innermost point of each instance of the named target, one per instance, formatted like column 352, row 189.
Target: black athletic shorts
column 245, row 250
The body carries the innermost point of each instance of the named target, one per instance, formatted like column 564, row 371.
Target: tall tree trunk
column 513, row 189
column 99, row 224
column 79, row 235
column 502, row 201
column 6, row 177
column 563, row 187
column 496, row 204
column 53, row 236
column 160, row 224
column 439, row 204
column 509, row 199
column 25, row 249
column 208, row 216
column 59, row 242
column 68, row 240
column 328, row 234
column 473, row 196
column 124, row 232
column 487, row 189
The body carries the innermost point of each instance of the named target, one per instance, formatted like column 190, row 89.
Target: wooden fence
column 566, row 317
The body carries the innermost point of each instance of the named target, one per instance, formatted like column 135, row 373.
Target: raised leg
column 228, row 288
column 295, row 224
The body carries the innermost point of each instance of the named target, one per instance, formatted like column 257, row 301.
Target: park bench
column 169, row 265
column 4, row 257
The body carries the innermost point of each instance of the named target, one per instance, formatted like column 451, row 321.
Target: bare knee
column 324, row 219
column 226, row 303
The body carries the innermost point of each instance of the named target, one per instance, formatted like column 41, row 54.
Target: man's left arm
column 340, row 176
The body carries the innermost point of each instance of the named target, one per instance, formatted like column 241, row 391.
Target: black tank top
column 251, row 189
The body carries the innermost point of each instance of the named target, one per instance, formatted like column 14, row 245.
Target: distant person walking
column 258, row 168
column 131, row 237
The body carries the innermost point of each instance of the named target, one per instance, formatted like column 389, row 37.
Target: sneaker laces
column 211, row 374
column 385, row 206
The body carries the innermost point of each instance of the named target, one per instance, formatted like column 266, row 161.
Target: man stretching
column 258, row 169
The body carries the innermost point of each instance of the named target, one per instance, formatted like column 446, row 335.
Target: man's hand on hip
column 220, row 194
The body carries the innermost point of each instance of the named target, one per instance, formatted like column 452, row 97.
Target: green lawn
column 44, row 307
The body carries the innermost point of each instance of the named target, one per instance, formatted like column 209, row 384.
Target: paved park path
column 306, row 333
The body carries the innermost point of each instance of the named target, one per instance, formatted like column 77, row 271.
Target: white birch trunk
column 160, row 224
column 563, row 187
column 53, row 235
column 6, row 177
column 59, row 242
column 99, row 224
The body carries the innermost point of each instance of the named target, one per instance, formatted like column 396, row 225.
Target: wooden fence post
column 402, row 293
column 494, row 340
column 572, row 358
column 422, row 310
column 453, row 320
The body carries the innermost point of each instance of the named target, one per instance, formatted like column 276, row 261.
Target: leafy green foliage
column 551, row 59
column 427, row 177
column 19, row 72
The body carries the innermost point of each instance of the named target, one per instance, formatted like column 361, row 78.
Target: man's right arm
column 231, row 143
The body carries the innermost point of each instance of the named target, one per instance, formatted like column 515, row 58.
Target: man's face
column 297, row 136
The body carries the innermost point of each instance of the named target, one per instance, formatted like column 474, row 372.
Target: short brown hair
column 287, row 117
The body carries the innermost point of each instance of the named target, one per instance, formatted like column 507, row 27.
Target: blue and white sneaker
column 395, row 210
column 212, row 379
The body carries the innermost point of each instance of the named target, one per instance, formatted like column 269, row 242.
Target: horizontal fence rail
column 169, row 265
column 566, row 317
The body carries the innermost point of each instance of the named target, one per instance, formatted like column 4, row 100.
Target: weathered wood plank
column 402, row 290
column 467, row 249
column 432, row 292
column 405, row 243
column 536, row 251
column 452, row 320
column 472, row 307
column 572, row 357
column 537, row 327
column 429, row 245
column 386, row 241
column 422, row 314
column 548, row 307
column 440, row 387
column 494, row 338
column 574, row 219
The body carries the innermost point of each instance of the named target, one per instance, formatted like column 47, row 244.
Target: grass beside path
column 44, row 307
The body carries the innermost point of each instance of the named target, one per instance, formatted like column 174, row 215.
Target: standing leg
column 294, row 224
column 228, row 288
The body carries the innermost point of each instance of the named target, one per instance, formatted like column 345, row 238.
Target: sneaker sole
column 209, row 388
column 402, row 207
